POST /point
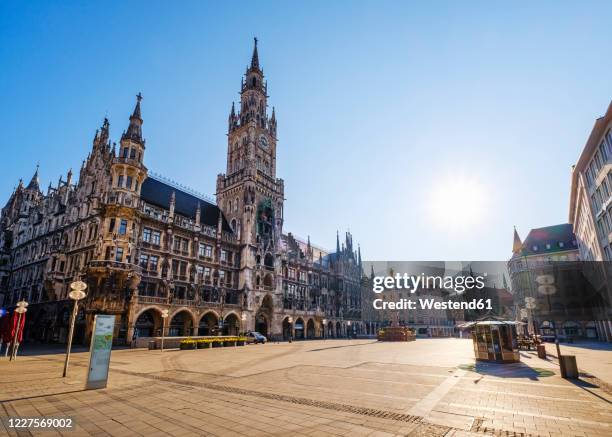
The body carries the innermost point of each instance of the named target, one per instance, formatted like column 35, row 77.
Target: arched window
column 254, row 81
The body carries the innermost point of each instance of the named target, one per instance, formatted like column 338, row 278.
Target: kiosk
column 494, row 340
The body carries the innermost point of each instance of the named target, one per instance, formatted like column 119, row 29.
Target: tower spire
column 104, row 131
column 134, row 131
column 255, row 57
column 102, row 134
column 34, row 182
column 517, row 244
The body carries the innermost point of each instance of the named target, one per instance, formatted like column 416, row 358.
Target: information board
column 100, row 351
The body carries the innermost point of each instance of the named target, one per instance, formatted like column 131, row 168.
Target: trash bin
column 542, row 351
column 152, row 345
column 569, row 368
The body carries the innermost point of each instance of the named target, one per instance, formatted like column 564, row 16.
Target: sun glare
column 457, row 203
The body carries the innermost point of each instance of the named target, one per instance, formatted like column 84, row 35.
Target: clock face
column 263, row 142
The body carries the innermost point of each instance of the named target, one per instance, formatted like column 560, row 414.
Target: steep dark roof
column 537, row 239
column 158, row 193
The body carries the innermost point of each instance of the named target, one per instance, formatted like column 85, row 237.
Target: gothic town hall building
column 144, row 244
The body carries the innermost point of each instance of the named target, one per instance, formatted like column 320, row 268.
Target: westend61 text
column 428, row 304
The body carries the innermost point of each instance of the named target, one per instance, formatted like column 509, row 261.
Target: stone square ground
column 431, row 387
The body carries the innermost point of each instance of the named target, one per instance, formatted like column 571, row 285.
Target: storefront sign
column 100, row 351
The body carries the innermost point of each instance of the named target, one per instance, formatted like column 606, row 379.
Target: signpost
column 77, row 293
column 100, row 351
column 164, row 317
column 21, row 309
column 530, row 304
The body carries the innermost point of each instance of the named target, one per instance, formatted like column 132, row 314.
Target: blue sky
column 394, row 118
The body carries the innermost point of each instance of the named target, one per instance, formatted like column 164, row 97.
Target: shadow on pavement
column 591, row 345
column 31, row 349
column 515, row 370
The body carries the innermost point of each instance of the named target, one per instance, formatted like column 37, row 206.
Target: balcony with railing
column 127, row 161
column 121, row 198
column 216, row 304
column 265, row 288
column 158, row 300
column 114, row 265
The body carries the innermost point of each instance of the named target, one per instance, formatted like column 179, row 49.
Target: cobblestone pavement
column 431, row 387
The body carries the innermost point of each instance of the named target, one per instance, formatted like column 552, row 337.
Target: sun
column 457, row 202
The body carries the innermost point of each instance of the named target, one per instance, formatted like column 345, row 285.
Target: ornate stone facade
column 143, row 244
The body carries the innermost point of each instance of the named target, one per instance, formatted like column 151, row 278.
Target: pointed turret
column 255, row 57
column 272, row 122
column 104, row 132
column 34, row 182
column 337, row 242
column 517, row 245
column 232, row 120
column 134, row 131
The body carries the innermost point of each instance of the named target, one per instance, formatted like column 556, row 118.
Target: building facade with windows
column 546, row 269
column 144, row 244
column 591, row 193
column 590, row 209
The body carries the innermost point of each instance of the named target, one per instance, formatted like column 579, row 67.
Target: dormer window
column 561, row 244
column 535, row 248
column 547, row 246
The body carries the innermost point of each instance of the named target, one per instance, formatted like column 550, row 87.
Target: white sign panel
column 100, row 351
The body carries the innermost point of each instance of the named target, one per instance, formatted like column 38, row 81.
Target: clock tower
column 251, row 197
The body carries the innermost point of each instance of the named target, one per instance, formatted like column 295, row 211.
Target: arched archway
column 181, row 324
column 148, row 323
column 310, row 329
column 264, row 316
column 268, row 281
column 299, row 329
column 287, row 329
column 261, row 324
column 269, row 261
column 208, row 324
column 338, row 330
column 231, row 324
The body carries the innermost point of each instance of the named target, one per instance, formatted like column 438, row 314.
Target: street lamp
column 348, row 330
column 290, row 320
column 547, row 288
column 164, row 317
column 22, row 307
column 530, row 304
column 77, row 293
column 324, row 321
column 243, row 317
